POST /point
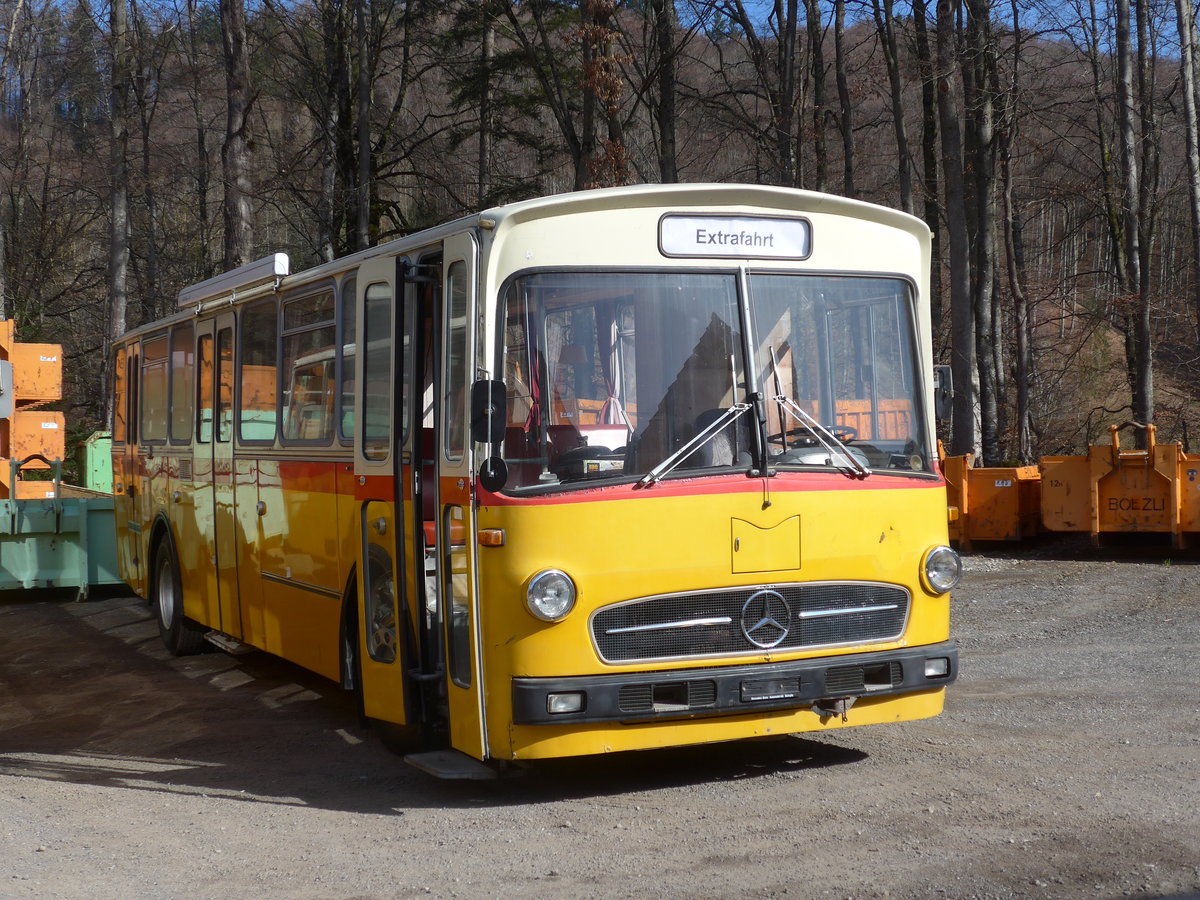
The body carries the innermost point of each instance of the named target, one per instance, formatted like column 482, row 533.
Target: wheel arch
column 160, row 530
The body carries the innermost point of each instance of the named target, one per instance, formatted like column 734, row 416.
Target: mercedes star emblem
column 765, row 619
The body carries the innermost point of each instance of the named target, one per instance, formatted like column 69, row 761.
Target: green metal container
column 94, row 458
column 57, row 542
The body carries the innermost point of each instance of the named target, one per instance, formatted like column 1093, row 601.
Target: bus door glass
column 385, row 620
column 456, row 547
column 125, row 479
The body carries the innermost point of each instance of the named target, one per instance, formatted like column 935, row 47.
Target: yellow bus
column 610, row 470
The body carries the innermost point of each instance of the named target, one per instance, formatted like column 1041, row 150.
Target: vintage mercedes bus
column 610, row 470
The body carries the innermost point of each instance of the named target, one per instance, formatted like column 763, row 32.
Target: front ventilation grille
column 750, row 620
column 675, row 696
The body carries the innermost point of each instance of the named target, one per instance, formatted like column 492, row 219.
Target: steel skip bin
column 987, row 503
column 1115, row 491
column 57, row 541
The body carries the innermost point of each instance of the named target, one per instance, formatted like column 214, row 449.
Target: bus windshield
column 614, row 375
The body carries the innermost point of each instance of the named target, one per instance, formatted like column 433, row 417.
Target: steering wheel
column 843, row 433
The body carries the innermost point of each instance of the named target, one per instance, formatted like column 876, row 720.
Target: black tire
column 180, row 635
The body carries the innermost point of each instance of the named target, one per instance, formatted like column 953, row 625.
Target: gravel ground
column 1065, row 766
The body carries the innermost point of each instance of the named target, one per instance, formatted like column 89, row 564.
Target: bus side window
column 256, row 373
column 346, row 361
column 224, row 385
column 183, row 364
column 309, row 349
column 204, row 389
column 154, row 388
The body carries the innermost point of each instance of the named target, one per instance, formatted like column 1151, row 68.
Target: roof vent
column 250, row 275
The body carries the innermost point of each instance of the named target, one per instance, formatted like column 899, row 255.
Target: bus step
column 228, row 644
column 451, row 765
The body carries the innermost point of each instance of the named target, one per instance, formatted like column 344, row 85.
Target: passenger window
column 309, row 359
column 256, row 374
column 154, row 389
column 183, row 367
column 204, row 399
column 346, row 429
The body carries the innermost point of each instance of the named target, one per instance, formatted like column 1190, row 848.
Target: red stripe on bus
column 779, row 484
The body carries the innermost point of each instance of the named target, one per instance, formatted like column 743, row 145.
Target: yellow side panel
column 299, row 556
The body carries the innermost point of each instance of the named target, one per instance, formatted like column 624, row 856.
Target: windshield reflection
column 633, row 376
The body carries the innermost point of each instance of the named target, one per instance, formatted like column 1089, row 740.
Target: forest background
column 1050, row 146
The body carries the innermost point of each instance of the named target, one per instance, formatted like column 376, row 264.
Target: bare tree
column 885, row 24
column 1187, row 69
column 1138, row 335
column 962, row 359
column 845, row 104
column 235, row 153
column 118, row 247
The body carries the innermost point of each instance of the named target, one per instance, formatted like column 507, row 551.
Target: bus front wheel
column 180, row 635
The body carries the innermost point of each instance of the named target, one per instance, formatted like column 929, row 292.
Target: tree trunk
column 1014, row 256
column 885, row 24
column 962, row 359
column 235, row 154
column 982, row 165
column 846, row 117
column 202, row 262
column 1187, row 67
column 362, row 229
column 484, row 156
column 816, row 58
column 118, row 245
column 664, row 30
column 929, row 156
column 1138, row 350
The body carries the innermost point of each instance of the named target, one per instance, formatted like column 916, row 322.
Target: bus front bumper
column 823, row 684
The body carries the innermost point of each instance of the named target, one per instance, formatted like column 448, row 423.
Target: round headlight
column 551, row 595
column 942, row 570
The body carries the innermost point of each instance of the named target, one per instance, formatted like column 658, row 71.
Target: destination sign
column 734, row 236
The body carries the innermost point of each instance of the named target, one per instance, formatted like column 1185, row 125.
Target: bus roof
column 272, row 273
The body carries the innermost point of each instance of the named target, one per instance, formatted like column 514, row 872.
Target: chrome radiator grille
column 750, row 620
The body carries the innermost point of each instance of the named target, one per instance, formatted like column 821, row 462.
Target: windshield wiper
column 853, row 468
column 702, row 437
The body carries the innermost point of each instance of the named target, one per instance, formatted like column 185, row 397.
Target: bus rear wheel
column 181, row 636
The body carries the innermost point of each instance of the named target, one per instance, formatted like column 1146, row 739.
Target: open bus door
column 383, row 620
column 456, row 547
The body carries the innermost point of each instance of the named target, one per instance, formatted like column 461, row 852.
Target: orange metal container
column 991, row 503
column 37, row 372
column 1115, row 491
column 1066, row 493
column 36, row 380
column 37, row 431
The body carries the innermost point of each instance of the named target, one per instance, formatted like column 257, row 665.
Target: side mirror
column 488, row 399
column 943, row 393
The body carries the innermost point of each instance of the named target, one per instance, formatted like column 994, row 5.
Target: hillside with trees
column 1050, row 147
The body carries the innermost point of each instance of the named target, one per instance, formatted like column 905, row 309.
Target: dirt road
column 1065, row 766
